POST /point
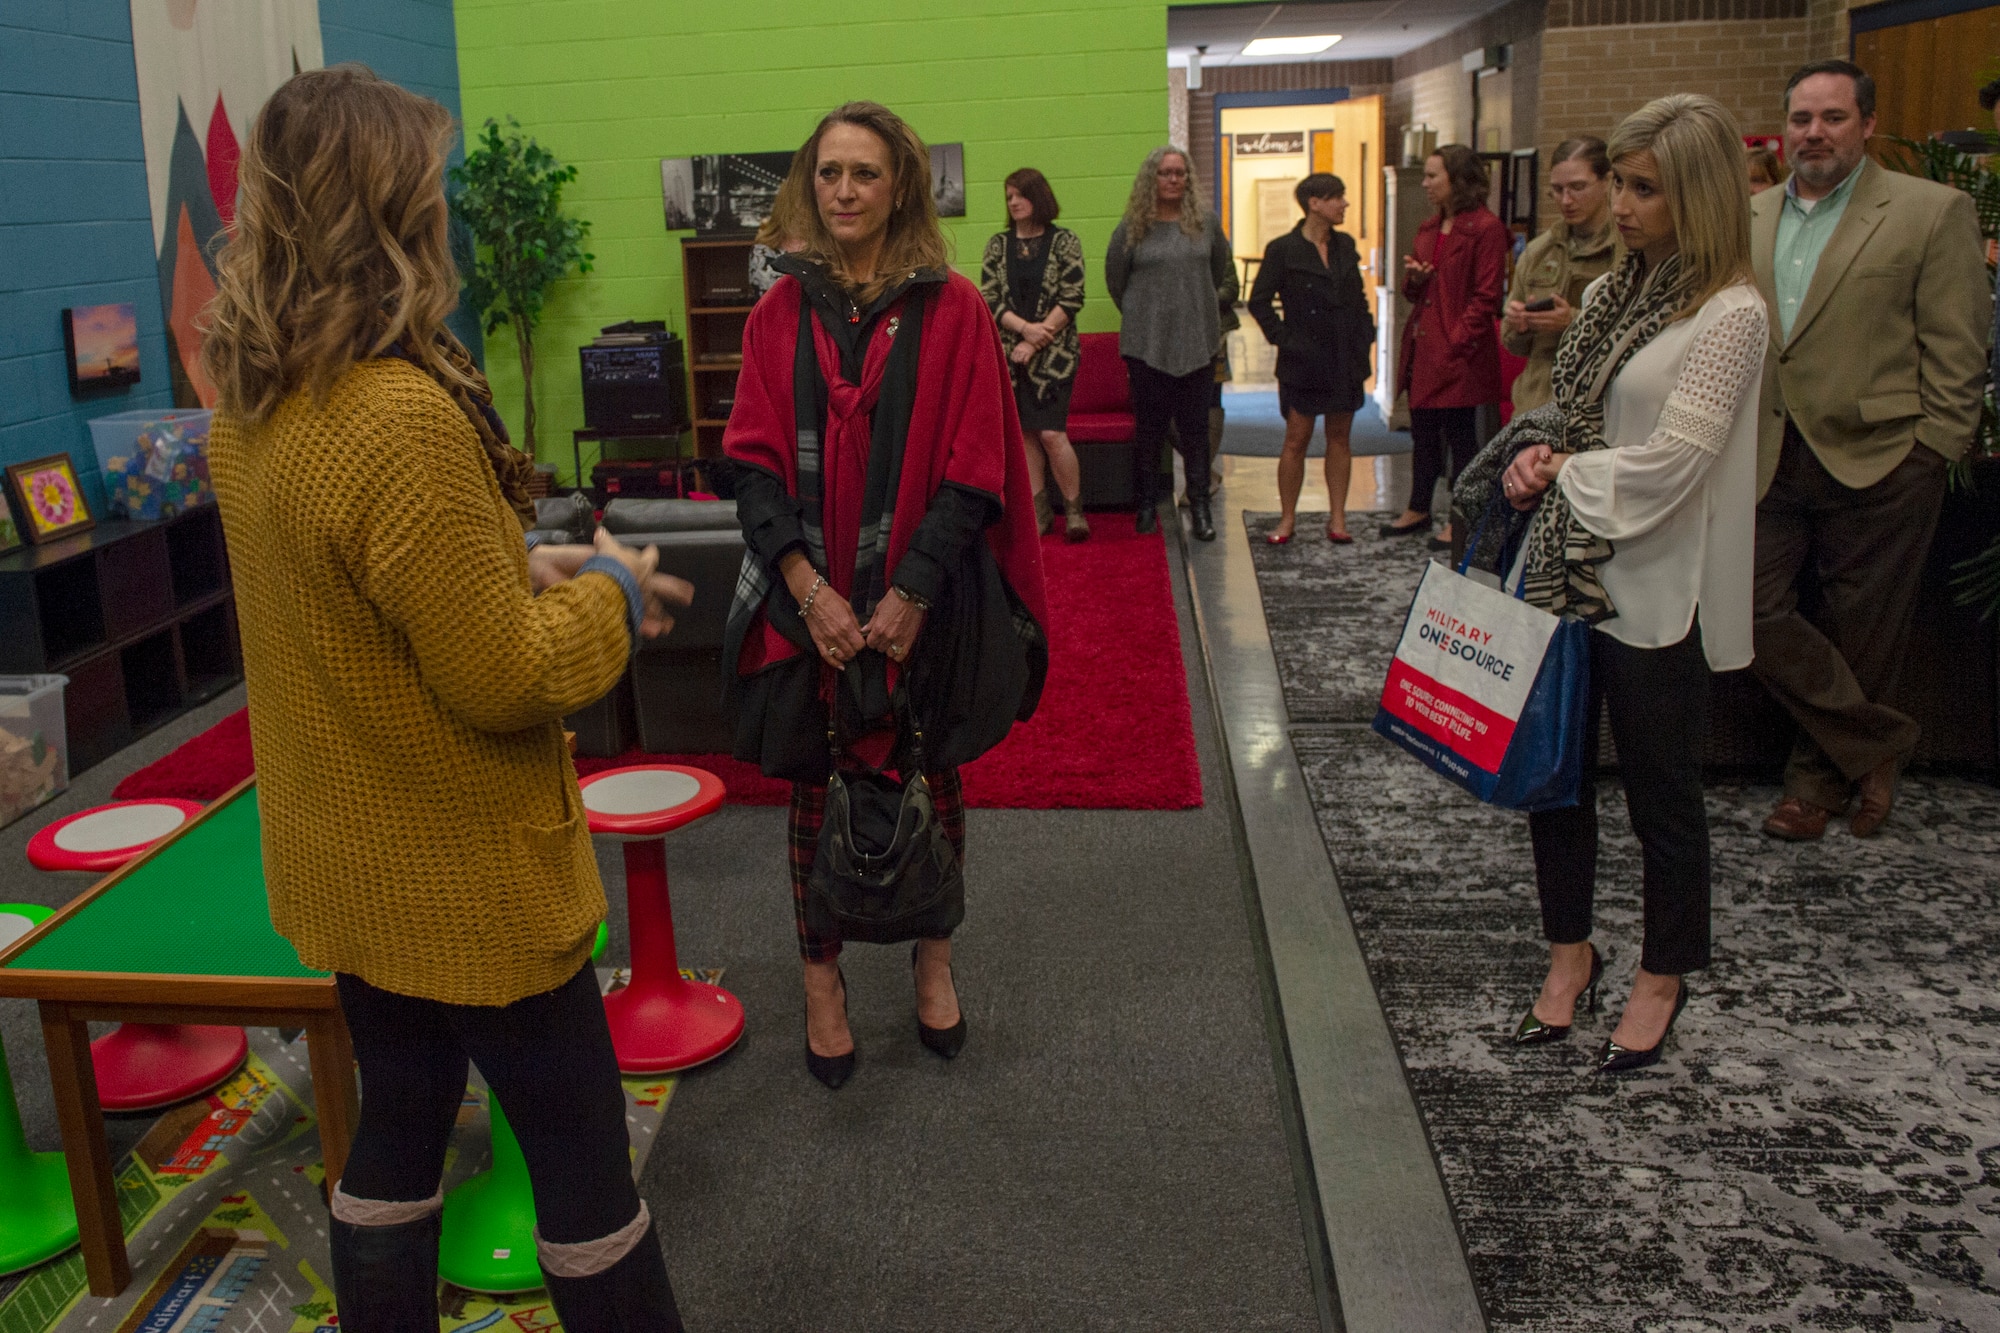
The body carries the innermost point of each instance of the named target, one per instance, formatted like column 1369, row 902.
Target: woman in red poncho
column 887, row 516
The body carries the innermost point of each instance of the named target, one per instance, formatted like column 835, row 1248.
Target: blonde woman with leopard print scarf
column 1629, row 503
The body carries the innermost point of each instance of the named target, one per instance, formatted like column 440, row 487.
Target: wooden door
column 1927, row 73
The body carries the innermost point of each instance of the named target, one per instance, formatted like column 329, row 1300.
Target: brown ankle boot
column 1045, row 514
column 1076, row 528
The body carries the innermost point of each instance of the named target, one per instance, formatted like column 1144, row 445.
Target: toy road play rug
column 1113, row 731
column 224, row 1223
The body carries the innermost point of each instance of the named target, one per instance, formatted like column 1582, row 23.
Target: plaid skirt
column 808, row 814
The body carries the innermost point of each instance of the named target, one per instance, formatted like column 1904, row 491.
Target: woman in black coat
column 1314, row 273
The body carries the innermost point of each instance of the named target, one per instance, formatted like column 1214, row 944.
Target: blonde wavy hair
column 340, row 245
column 1140, row 209
column 1699, row 150
column 915, row 240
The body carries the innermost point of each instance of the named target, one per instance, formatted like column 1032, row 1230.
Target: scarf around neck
column 1561, row 571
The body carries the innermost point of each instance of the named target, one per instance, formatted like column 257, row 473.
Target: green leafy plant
column 1976, row 581
column 508, row 193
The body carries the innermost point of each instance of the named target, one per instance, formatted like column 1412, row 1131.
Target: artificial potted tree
column 508, row 194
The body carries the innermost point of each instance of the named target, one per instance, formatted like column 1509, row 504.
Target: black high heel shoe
column 832, row 1070
column 947, row 1042
column 1616, row 1059
column 1534, row 1032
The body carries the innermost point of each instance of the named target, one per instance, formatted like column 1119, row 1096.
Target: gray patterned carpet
column 1820, row 1150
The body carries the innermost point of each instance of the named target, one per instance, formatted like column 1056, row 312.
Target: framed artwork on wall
column 103, row 346
column 948, row 179
column 46, row 495
column 10, row 532
column 721, row 194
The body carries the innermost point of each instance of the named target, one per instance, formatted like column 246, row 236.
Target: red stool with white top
column 660, row 1021
column 140, row 1066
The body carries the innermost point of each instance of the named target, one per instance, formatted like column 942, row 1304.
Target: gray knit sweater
column 1170, row 290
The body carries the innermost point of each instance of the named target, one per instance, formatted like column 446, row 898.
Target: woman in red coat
column 1450, row 362
column 888, row 520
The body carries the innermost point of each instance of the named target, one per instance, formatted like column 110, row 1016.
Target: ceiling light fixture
column 1290, row 46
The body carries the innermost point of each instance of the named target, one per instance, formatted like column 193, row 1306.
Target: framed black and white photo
column 948, row 179
column 721, row 194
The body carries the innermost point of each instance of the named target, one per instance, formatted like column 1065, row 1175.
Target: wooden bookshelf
column 715, row 275
column 139, row 615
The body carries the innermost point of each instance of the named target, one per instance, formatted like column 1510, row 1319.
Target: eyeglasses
column 1176, row 173
column 1577, row 188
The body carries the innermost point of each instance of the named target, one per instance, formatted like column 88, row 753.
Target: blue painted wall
column 74, row 222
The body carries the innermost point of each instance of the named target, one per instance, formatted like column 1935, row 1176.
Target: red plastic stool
column 660, row 1021
column 140, row 1066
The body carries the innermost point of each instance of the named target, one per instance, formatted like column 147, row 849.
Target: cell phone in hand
column 1537, row 307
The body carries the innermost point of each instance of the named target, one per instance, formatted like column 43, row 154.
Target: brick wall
column 1432, row 87
column 1594, row 77
column 1440, row 98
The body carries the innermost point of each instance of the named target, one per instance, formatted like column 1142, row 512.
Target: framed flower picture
column 48, row 498
column 10, row 532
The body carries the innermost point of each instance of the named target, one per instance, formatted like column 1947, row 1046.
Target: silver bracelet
column 812, row 592
column 921, row 603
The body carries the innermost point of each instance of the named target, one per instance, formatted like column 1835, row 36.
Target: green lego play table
column 181, row 934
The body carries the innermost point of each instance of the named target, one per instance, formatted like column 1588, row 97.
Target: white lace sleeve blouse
column 1676, row 493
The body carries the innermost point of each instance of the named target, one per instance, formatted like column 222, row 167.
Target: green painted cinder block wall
column 612, row 86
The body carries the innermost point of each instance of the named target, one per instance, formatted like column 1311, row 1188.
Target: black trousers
column 1658, row 702
column 1158, row 398
column 1439, row 435
column 549, row 1060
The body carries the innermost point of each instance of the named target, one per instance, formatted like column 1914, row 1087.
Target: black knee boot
column 1145, row 477
column 385, row 1278
column 632, row 1296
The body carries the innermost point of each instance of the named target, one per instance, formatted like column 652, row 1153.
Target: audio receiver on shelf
column 635, row 379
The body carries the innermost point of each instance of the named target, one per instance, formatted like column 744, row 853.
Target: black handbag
column 884, row 871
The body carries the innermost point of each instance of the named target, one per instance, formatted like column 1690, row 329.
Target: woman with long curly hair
column 409, row 660
column 1171, row 274
column 892, row 567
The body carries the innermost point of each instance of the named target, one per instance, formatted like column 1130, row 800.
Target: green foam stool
column 488, row 1238
column 487, row 1242
column 37, row 1213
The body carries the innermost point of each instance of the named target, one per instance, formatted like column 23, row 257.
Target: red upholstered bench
column 1101, row 425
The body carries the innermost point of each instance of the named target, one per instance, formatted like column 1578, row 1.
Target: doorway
column 1266, row 143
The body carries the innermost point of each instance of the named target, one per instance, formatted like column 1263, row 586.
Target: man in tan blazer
column 1880, row 309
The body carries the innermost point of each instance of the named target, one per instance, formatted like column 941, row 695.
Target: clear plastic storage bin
column 154, row 461
column 34, row 748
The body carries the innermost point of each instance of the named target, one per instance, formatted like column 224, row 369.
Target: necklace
column 1024, row 248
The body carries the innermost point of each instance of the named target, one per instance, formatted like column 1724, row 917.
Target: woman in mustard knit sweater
column 408, row 660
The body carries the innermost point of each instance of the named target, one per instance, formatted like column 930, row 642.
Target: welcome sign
column 1271, row 143
column 1489, row 691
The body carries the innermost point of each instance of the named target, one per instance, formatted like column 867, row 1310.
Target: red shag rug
column 1113, row 731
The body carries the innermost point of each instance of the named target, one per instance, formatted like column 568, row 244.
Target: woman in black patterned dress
column 1032, row 278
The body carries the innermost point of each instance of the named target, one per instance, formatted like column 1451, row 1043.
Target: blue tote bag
column 1490, row 692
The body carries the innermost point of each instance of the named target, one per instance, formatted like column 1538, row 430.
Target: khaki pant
column 1834, row 671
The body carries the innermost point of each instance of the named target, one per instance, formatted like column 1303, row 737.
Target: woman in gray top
column 1171, row 284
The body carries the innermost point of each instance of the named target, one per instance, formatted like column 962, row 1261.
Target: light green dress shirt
column 1804, row 228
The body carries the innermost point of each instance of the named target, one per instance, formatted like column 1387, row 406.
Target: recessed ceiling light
column 1290, row 46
